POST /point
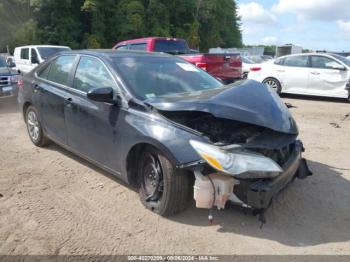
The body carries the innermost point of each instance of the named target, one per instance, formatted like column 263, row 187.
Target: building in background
column 288, row 49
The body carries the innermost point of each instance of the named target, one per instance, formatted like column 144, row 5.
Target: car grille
column 5, row 80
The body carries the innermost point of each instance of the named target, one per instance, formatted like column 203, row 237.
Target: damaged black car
column 167, row 127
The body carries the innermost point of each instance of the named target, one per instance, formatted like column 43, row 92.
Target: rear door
column 51, row 86
column 326, row 79
column 92, row 126
column 294, row 74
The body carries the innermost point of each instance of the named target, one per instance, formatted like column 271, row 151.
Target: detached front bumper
column 259, row 194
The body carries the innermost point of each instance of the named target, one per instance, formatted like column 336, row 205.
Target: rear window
column 60, row 69
column 171, row 46
column 122, row 47
column 25, row 53
column 140, row 46
column 46, row 52
column 296, row 61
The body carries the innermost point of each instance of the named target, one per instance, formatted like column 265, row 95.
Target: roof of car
column 112, row 52
column 311, row 53
column 53, row 46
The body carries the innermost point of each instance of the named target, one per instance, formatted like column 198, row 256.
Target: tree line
column 101, row 23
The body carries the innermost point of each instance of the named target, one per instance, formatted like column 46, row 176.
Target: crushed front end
column 245, row 164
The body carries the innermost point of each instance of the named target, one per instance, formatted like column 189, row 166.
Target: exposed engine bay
column 225, row 132
column 220, row 131
column 213, row 188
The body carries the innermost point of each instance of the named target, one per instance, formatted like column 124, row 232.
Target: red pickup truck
column 227, row 67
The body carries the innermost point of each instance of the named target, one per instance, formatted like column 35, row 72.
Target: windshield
column 2, row 63
column 342, row 59
column 154, row 76
column 247, row 60
column 171, row 46
column 46, row 52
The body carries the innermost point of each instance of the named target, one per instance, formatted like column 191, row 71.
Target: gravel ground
column 53, row 202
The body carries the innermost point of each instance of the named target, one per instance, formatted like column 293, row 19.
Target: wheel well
column 25, row 106
column 274, row 78
column 132, row 162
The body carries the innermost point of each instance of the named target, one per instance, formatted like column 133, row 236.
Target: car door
column 294, row 73
column 92, row 126
column 328, row 77
column 24, row 63
column 52, row 85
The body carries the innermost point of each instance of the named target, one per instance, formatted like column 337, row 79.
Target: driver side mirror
column 11, row 64
column 103, row 94
column 338, row 67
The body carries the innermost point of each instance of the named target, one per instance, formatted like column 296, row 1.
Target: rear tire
column 163, row 189
column 274, row 84
column 34, row 127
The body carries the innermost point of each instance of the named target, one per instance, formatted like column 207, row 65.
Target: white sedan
column 307, row 74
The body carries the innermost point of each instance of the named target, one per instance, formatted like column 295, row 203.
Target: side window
column 279, row 61
column 45, row 72
column 297, row 61
column 60, row 69
column 91, row 73
column 323, row 62
column 25, row 53
column 141, row 46
column 122, row 47
column 34, row 56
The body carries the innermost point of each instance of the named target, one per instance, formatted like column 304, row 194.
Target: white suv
column 28, row 57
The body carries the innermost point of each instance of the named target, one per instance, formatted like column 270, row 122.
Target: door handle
column 68, row 101
column 281, row 71
column 36, row 88
column 315, row 73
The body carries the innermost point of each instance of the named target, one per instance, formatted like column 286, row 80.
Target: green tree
column 101, row 23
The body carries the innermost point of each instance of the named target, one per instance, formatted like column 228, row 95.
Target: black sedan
column 164, row 125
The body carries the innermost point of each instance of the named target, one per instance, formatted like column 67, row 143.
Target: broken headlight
column 237, row 162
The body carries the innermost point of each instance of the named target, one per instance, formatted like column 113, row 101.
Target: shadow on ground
column 315, row 98
column 309, row 212
column 54, row 147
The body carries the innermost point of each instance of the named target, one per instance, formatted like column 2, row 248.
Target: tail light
column 203, row 66
column 256, row 68
column 20, row 83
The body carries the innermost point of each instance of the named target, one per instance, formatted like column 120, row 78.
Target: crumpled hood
column 249, row 102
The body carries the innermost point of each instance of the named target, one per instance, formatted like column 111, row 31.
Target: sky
column 312, row 24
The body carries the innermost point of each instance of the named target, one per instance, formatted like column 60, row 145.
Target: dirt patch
column 52, row 202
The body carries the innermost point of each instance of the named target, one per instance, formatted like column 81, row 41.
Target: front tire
column 274, row 84
column 34, row 127
column 163, row 189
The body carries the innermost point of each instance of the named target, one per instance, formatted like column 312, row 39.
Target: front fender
column 152, row 129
